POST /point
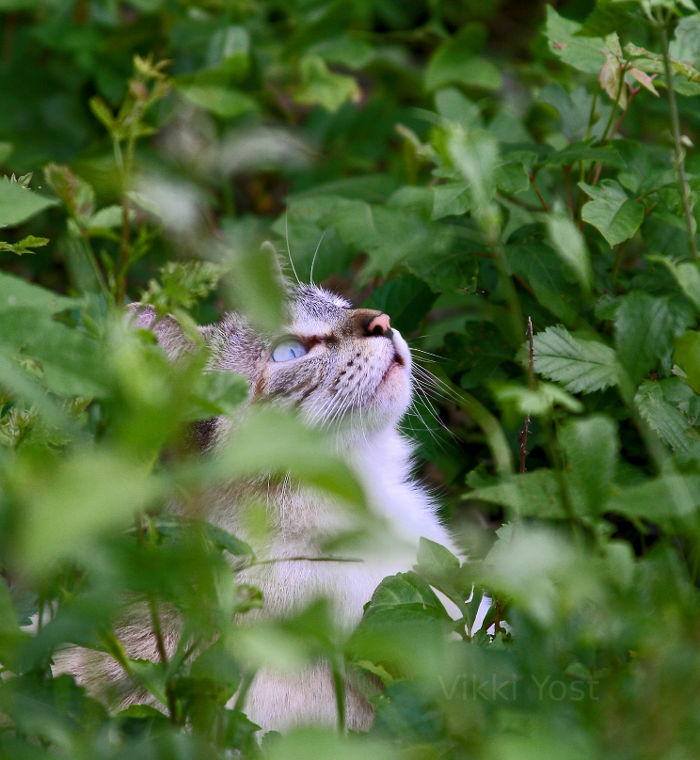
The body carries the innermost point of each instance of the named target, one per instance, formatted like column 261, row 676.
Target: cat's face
column 337, row 364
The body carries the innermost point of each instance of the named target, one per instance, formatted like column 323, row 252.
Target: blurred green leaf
column 591, row 449
column 687, row 354
column 455, row 62
column 17, row 203
column 220, row 101
column 67, row 505
column 568, row 243
column 645, row 327
column 320, row 85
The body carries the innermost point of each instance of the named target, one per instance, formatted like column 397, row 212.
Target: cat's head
column 340, row 366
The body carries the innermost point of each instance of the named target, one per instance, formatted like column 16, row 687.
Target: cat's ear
column 167, row 329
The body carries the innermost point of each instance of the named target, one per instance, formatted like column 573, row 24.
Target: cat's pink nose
column 379, row 325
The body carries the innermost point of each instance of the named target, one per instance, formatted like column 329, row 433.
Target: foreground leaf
column 17, row 203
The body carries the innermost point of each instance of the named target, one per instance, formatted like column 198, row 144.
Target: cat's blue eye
column 287, row 349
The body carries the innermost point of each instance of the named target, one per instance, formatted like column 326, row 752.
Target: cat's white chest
column 400, row 513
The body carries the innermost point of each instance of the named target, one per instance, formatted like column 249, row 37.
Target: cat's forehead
column 314, row 308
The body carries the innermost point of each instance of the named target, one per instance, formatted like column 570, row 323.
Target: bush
column 516, row 187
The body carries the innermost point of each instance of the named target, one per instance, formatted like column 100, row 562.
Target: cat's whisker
column 313, row 260
column 439, row 386
column 427, row 353
column 428, row 384
column 289, row 250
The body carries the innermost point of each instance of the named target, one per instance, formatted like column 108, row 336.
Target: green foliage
column 466, row 168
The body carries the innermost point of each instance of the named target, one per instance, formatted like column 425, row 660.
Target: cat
column 349, row 371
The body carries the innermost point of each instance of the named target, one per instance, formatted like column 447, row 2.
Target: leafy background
column 464, row 166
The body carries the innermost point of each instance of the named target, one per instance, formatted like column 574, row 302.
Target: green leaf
column 454, row 62
column 663, row 418
column 181, row 284
column 611, row 212
column 221, row 101
column 582, row 366
column 568, row 243
column 586, row 151
column 270, row 441
column 66, row 505
column 687, row 354
column 518, row 401
column 257, row 286
column 24, row 245
column 530, row 494
column 575, row 110
column 319, row 743
column 538, row 264
column 405, row 588
column 320, row 85
column 686, row 274
column 6, row 149
column 645, row 327
column 346, row 50
column 17, row 203
column 218, row 392
column 663, row 500
column 16, row 292
column 432, row 554
column 70, row 360
column 406, row 298
column 583, row 53
column 590, row 446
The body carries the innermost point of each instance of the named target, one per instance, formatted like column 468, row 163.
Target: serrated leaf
column 582, row 366
column 17, row 203
column 611, row 212
column 645, row 327
column 665, row 419
column 25, row 245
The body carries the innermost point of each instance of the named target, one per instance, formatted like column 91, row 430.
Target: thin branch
column 523, row 434
column 545, row 206
column 678, row 151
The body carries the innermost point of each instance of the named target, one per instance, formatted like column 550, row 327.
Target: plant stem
column 339, row 687
column 545, row 206
column 678, row 152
